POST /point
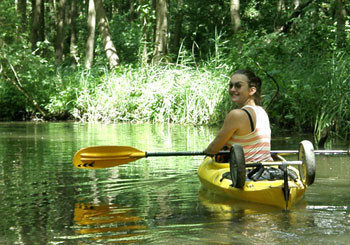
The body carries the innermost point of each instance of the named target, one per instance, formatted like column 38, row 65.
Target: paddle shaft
column 317, row 152
column 184, row 153
column 273, row 152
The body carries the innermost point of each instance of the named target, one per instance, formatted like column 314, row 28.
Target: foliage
column 171, row 93
column 19, row 65
column 334, row 110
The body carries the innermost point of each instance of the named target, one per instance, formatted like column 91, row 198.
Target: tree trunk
column 22, row 12
column 161, row 37
column 340, row 17
column 38, row 23
column 90, row 43
column 107, row 42
column 280, row 8
column 73, row 32
column 145, row 33
column 296, row 4
column 178, row 25
column 59, row 46
column 132, row 15
column 235, row 16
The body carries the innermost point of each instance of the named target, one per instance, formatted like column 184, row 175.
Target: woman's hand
column 207, row 152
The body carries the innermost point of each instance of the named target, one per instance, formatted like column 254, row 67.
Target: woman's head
column 253, row 82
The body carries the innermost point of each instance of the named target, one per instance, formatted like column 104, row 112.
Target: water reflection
column 253, row 222
column 225, row 207
column 108, row 222
column 45, row 200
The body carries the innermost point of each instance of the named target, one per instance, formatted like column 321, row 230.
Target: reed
column 169, row 93
column 313, row 92
column 334, row 113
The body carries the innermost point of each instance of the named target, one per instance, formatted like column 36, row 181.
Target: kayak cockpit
column 279, row 183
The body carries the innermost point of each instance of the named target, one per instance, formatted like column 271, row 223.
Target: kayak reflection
column 227, row 208
column 234, row 219
column 102, row 222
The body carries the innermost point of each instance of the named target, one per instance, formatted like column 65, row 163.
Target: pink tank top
column 257, row 144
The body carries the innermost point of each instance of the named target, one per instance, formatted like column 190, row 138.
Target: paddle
column 96, row 157
column 110, row 156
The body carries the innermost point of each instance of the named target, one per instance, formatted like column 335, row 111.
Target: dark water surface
column 45, row 200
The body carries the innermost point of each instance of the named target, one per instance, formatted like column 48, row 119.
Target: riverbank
column 184, row 94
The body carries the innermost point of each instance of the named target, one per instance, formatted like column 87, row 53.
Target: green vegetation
column 305, row 51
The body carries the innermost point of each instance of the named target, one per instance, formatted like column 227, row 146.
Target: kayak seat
column 270, row 173
column 256, row 173
column 262, row 173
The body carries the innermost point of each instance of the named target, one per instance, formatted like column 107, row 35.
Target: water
column 45, row 200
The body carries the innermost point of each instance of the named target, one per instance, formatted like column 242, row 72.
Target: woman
column 249, row 125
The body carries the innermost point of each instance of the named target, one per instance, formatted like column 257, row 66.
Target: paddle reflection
column 102, row 222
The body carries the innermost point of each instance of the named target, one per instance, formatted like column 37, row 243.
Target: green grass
column 169, row 93
column 314, row 87
column 312, row 98
column 334, row 112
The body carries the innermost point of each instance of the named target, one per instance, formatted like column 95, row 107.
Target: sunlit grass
column 313, row 96
column 170, row 93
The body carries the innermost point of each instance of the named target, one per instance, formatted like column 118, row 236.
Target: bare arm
column 231, row 125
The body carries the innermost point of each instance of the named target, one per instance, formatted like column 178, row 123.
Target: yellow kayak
column 280, row 192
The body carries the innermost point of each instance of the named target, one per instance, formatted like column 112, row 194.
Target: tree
column 22, row 12
column 59, row 45
column 38, row 23
column 235, row 16
column 90, row 43
column 143, row 11
column 296, row 13
column 107, row 42
column 340, row 18
column 73, row 32
column 280, row 9
column 161, row 31
column 178, row 25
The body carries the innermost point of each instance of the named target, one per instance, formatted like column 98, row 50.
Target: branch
column 274, row 80
column 19, row 87
column 296, row 13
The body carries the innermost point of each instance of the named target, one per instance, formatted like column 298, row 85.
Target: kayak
column 281, row 183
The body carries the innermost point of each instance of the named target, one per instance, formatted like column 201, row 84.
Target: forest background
column 170, row 60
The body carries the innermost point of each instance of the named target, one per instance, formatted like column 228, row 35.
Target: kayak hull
column 268, row 192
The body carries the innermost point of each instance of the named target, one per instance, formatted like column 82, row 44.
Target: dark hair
column 253, row 81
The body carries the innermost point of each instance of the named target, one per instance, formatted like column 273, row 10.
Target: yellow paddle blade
column 106, row 156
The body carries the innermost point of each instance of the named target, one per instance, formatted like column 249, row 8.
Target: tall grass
column 169, row 93
column 182, row 92
column 313, row 96
column 334, row 113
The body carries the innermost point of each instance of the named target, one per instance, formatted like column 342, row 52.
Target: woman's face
column 239, row 89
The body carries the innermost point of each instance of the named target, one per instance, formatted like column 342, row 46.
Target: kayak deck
column 269, row 192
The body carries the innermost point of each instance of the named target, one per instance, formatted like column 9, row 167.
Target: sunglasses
column 236, row 85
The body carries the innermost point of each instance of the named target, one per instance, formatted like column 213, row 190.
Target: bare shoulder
column 235, row 114
column 234, row 119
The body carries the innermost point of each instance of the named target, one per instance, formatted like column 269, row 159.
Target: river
column 46, row 200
